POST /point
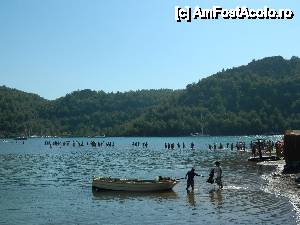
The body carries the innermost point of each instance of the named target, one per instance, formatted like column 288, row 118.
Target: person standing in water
column 218, row 174
column 190, row 181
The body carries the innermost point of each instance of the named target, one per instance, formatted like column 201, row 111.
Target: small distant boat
column 20, row 138
column 199, row 135
column 100, row 136
column 34, row 136
column 115, row 184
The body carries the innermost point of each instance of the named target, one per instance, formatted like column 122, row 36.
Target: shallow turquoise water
column 43, row 185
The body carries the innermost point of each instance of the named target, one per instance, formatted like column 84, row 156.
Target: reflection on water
column 216, row 197
column 126, row 195
column 191, row 198
column 39, row 185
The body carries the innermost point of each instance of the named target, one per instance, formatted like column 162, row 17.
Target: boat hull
column 133, row 185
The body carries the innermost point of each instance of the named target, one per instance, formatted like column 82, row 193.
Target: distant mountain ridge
column 258, row 98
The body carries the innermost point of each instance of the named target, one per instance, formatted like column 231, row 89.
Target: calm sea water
column 43, row 185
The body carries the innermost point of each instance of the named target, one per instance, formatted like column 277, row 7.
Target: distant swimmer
column 172, row 146
column 192, row 145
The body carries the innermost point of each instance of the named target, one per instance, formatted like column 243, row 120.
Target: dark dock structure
column 292, row 151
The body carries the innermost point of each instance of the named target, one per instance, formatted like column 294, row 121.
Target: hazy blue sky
column 53, row 47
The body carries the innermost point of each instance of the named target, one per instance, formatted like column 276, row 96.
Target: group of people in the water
column 16, row 142
column 267, row 146
column 138, row 144
column 239, row 146
column 75, row 143
column 256, row 147
column 182, row 145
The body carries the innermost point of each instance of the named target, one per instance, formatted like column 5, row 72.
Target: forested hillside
column 19, row 111
column 258, row 98
column 262, row 97
column 81, row 113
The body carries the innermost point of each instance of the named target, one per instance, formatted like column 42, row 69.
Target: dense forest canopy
column 258, row 98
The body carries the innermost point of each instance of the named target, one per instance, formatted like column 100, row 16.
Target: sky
column 54, row 47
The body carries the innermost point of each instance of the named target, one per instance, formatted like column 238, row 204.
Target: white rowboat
column 162, row 184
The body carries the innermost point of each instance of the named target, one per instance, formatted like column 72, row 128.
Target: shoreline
column 282, row 185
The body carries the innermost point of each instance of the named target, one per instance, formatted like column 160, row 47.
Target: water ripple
column 56, row 184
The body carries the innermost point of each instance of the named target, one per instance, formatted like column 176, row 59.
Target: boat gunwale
column 134, row 181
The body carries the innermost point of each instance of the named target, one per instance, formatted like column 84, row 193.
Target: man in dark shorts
column 190, row 181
